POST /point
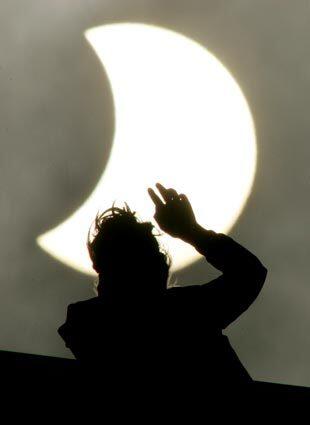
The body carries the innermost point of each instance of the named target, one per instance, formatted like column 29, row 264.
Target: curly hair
column 120, row 238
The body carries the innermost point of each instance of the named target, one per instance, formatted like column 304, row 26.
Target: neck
column 129, row 290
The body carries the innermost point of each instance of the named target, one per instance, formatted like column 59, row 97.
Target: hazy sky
column 56, row 129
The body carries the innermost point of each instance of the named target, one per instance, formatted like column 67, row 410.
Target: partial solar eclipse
column 182, row 120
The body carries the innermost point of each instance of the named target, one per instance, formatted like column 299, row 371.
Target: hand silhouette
column 175, row 216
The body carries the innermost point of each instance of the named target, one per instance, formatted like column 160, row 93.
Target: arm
column 243, row 274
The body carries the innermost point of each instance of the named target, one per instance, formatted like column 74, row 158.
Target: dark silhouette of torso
column 172, row 338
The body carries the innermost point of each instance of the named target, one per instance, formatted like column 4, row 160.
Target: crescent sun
column 181, row 119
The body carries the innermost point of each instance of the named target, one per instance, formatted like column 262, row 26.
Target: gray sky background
column 56, row 130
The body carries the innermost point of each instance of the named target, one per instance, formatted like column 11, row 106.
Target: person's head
column 125, row 252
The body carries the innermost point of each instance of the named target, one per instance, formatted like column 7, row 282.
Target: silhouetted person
column 136, row 332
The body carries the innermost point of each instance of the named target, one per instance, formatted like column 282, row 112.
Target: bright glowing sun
column 181, row 119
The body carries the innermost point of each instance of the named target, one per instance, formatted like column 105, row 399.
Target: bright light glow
column 181, row 119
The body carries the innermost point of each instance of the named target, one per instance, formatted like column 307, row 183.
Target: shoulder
column 78, row 314
column 84, row 305
column 183, row 292
column 83, row 308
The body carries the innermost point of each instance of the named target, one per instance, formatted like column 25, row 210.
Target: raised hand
column 175, row 216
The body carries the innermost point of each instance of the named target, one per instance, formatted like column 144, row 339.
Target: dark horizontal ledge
column 18, row 365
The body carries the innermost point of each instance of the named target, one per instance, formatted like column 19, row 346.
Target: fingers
column 183, row 197
column 167, row 194
column 185, row 200
column 173, row 194
column 155, row 198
